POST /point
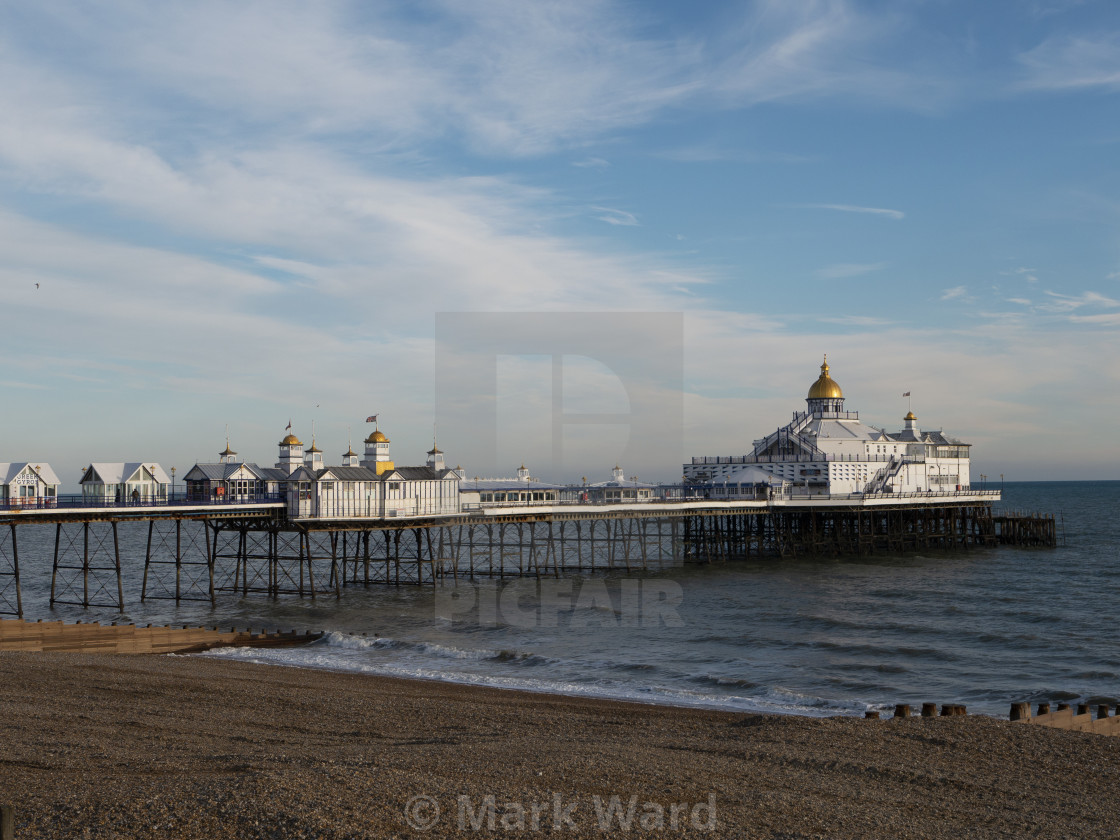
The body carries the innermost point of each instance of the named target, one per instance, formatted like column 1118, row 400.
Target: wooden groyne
column 56, row 636
column 1064, row 717
column 1081, row 719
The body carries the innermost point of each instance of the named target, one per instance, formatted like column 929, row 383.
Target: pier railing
column 663, row 495
column 80, row 501
column 688, row 495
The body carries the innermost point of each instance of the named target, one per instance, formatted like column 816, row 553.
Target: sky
column 238, row 215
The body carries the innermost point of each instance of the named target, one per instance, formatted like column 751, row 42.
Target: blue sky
column 248, row 213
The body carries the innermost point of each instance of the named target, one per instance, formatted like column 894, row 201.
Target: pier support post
column 83, row 580
column 11, row 597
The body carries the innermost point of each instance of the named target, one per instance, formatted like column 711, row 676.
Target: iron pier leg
column 147, row 562
column 54, row 571
column 15, row 571
column 117, row 562
column 178, row 559
column 209, row 559
column 85, row 565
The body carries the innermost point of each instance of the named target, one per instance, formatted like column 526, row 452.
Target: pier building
column 28, row 483
column 827, row 450
column 232, row 480
column 136, row 481
column 523, row 490
column 370, row 488
column 619, row 488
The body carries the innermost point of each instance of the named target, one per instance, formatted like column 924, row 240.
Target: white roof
column 472, row 484
column 831, row 428
column 120, row 472
column 10, row 471
column 748, row 475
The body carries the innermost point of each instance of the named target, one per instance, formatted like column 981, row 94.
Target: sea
column 812, row 636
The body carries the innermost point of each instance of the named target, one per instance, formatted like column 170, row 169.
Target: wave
column 349, row 641
column 425, row 660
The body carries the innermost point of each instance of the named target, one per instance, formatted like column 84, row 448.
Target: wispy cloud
column 856, row 321
column 855, row 208
column 616, row 217
column 1068, row 303
column 1066, row 62
column 708, row 153
column 1104, row 319
column 825, row 48
column 31, row 386
column 1027, row 274
column 591, row 163
column 955, row 293
column 841, row 270
column 503, row 77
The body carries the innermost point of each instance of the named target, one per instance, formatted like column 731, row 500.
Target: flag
column 906, row 394
column 289, row 426
column 372, row 418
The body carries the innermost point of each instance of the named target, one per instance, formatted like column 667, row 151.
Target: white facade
column 827, row 450
column 28, row 484
column 360, row 493
column 373, row 488
column 508, row 492
column 618, row 489
column 135, row 482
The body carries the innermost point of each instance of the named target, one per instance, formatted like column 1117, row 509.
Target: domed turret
column 377, row 453
column 825, row 395
column 313, row 456
column 227, row 455
column 910, row 430
column 350, row 457
column 825, row 388
column 291, row 452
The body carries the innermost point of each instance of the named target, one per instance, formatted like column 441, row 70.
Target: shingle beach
column 195, row 747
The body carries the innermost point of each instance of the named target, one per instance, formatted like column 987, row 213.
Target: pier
column 824, row 485
column 199, row 551
column 1026, row 530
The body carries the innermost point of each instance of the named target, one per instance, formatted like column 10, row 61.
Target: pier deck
column 197, row 551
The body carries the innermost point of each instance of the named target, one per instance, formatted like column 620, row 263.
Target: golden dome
column 377, row 437
column 291, row 440
column 825, row 388
column 909, row 416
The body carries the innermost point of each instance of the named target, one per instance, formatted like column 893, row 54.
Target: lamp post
column 172, row 500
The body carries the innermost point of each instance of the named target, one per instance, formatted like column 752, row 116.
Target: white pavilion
column 827, row 450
